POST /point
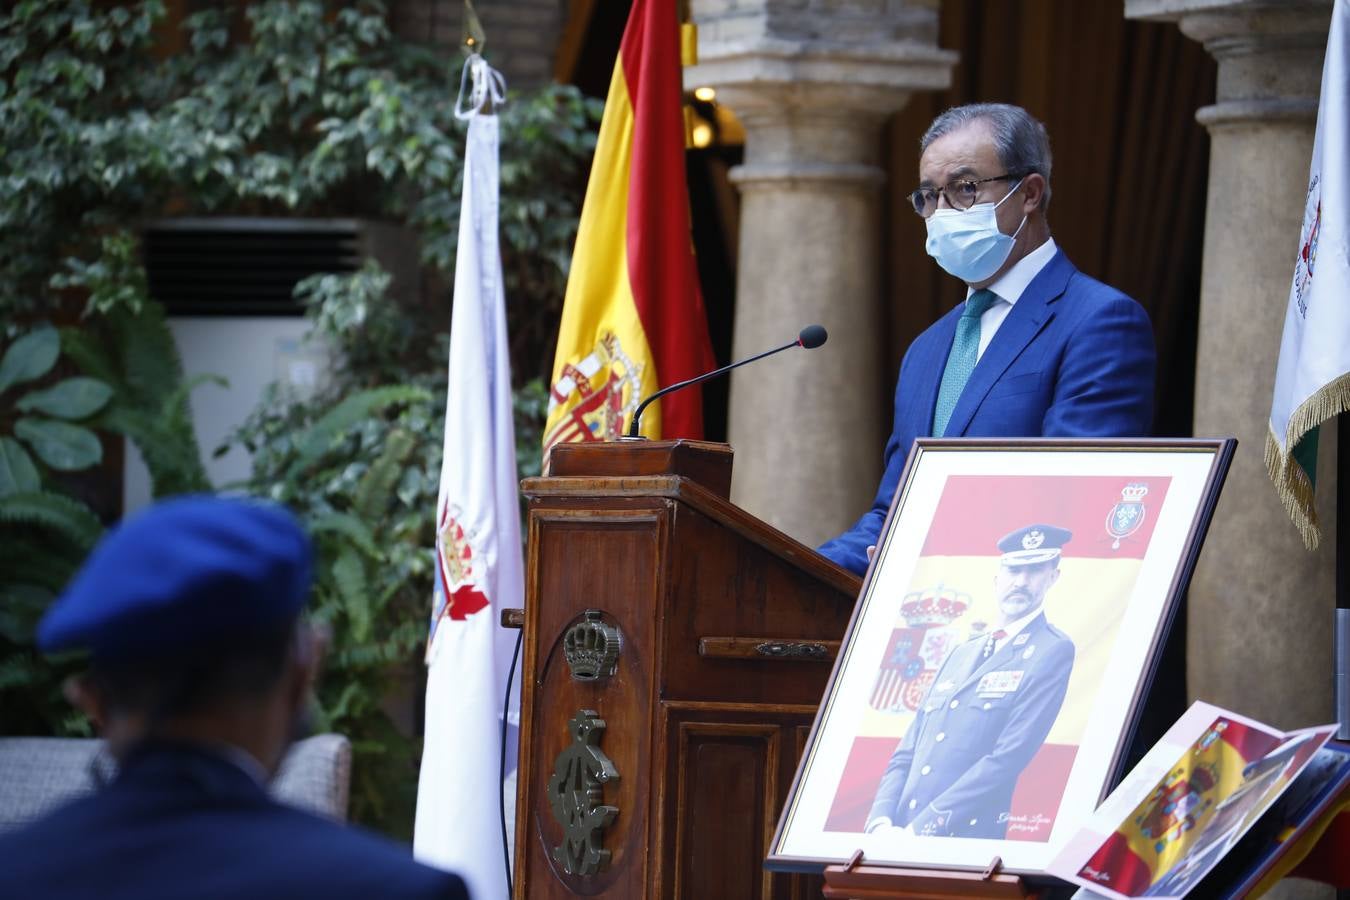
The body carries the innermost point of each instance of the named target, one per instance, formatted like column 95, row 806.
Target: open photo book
column 1214, row 809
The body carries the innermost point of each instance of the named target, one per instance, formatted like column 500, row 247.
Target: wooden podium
column 676, row 649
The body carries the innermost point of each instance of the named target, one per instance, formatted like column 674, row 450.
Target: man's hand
column 871, row 551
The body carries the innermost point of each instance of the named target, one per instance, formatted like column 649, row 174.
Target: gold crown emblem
column 591, row 647
column 935, row 606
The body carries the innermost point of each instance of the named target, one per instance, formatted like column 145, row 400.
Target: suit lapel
column 1028, row 316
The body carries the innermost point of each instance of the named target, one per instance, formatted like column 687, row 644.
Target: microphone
column 809, row 338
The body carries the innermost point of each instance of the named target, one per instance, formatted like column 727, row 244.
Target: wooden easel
column 854, row 881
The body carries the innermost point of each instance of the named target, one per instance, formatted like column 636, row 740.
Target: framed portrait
column 1008, row 628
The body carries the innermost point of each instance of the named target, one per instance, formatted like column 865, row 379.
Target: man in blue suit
column 1037, row 348
column 989, row 709
column 200, row 674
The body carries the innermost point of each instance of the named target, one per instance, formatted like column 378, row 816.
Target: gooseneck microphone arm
column 811, row 336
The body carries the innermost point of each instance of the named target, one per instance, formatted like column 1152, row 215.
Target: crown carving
column 591, row 647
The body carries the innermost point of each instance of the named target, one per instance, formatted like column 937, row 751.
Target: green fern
column 147, row 355
column 64, row 515
column 349, row 578
column 16, row 671
column 83, row 347
column 346, row 415
column 347, row 526
column 31, row 558
column 150, row 396
column 378, row 484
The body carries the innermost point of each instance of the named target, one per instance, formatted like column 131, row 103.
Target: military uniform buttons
column 989, row 706
column 940, row 736
column 913, row 803
column 925, row 770
column 973, row 821
column 955, row 703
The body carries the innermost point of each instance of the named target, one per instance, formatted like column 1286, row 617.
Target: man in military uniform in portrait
column 989, row 709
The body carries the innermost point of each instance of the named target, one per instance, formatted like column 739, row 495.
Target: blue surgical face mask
column 969, row 244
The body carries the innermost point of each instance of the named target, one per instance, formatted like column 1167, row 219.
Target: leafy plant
column 46, row 419
column 315, row 110
column 48, row 436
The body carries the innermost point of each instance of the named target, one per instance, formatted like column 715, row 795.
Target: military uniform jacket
column 180, row 822
column 980, row 724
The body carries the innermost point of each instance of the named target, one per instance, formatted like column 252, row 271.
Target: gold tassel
column 1292, row 484
column 688, row 44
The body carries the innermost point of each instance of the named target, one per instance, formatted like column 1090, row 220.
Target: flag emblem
column 917, row 648
column 454, row 556
column 1127, row 516
column 596, row 393
column 1307, row 245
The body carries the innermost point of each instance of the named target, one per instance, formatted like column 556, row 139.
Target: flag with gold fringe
column 1312, row 380
column 633, row 318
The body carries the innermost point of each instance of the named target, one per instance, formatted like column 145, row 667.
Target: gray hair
column 1019, row 140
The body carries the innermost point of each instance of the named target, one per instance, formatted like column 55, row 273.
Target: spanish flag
column 633, row 318
column 1164, row 827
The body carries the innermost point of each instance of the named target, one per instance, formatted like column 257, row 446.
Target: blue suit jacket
column 178, row 822
column 1074, row 358
column 954, row 772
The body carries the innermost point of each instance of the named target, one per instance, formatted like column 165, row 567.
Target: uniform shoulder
column 349, row 855
column 1056, row 633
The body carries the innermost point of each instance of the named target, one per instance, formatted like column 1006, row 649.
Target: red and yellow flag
column 633, row 318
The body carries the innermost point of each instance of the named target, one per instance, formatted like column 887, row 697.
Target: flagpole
column 1342, row 663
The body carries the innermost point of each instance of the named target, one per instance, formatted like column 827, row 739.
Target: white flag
column 1312, row 382
column 478, row 557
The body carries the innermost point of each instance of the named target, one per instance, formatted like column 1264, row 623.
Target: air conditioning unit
column 228, row 286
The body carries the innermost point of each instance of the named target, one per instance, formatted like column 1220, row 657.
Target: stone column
column 1261, row 606
column 812, row 81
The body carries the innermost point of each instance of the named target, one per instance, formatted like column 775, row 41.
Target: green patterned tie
column 961, row 362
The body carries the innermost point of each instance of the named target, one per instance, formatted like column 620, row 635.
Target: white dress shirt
column 1008, row 287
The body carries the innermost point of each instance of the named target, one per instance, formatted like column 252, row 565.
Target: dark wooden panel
column 742, row 593
column 724, row 767
column 730, row 766
column 567, row 577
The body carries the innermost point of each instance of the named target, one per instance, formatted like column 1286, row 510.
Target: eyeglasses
column 959, row 194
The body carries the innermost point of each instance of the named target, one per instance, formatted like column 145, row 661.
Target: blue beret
column 1033, row 544
column 183, row 574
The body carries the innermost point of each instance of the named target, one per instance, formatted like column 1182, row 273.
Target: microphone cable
column 501, row 772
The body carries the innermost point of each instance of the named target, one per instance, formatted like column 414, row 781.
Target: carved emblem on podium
column 591, row 647
column 576, row 795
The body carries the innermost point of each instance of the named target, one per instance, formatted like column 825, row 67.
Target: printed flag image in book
column 478, row 554
column 1012, row 784
column 633, row 318
column 1312, row 378
column 1198, row 810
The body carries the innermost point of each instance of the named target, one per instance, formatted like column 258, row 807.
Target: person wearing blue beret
column 200, row 669
column 989, row 709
